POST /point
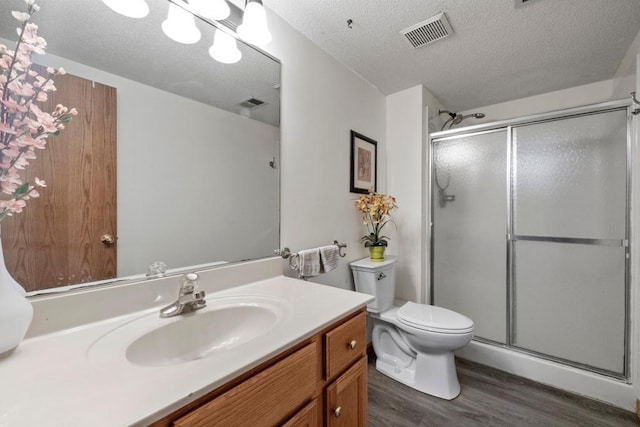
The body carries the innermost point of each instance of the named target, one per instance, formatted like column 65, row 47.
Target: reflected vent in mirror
column 433, row 29
column 251, row 103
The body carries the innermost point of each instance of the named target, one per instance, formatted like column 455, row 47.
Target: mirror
column 196, row 143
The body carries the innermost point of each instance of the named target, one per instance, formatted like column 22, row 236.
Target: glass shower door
column 469, row 212
column 569, row 240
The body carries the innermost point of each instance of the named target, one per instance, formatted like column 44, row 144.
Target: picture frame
column 364, row 164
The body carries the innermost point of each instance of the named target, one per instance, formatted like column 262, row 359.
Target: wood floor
column 489, row 398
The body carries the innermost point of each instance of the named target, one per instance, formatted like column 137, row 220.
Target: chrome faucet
column 188, row 300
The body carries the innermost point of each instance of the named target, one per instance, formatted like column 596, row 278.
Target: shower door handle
column 573, row 240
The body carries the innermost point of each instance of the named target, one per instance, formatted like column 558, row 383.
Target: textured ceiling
column 498, row 52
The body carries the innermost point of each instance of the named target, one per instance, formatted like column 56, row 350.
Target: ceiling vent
column 251, row 103
column 520, row 3
column 425, row 32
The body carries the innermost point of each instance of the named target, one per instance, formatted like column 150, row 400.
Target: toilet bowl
column 414, row 343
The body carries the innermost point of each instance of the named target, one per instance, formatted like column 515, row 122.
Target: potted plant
column 376, row 209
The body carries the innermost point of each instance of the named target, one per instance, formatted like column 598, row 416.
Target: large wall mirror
column 173, row 154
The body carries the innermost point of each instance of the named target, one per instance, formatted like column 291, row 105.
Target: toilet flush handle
column 381, row 276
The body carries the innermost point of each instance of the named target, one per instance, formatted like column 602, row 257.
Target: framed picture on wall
column 364, row 158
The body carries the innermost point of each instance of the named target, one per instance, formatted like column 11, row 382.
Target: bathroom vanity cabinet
column 321, row 381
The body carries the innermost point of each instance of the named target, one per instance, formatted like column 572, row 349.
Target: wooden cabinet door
column 346, row 397
column 55, row 241
column 309, row 416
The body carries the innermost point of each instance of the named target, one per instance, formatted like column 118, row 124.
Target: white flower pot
column 16, row 311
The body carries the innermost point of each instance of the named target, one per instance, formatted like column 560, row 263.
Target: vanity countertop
column 57, row 380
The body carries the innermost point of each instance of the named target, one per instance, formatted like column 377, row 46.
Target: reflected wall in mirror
column 194, row 182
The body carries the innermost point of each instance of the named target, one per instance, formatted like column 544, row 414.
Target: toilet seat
column 433, row 319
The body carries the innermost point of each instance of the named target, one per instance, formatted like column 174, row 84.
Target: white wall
column 322, row 101
column 170, row 152
column 407, row 168
column 405, row 133
column 573, row 97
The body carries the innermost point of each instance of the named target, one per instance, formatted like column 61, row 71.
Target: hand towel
column 309, row 262
column 329, row 256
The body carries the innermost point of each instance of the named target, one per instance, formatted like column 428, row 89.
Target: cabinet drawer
column 265, row 399
column 344, row 344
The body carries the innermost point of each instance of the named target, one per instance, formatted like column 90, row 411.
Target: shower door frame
column 510, row 238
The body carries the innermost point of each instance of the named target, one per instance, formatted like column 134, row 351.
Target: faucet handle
column 192, row 277
column 188, row 283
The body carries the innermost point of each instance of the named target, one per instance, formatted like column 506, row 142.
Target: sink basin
column 225, row 324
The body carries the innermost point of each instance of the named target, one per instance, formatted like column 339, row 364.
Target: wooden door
column 55, row 241
column 346, row 397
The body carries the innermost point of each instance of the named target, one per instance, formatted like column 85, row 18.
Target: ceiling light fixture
column 180, row 25
column 216, row 10
column 129, row 8
column 224, row 48
column 254, row 24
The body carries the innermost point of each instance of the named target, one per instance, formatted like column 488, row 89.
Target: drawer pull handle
column 337, row 412
column 352, row 344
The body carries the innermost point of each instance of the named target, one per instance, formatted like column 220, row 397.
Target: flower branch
column 24, row 127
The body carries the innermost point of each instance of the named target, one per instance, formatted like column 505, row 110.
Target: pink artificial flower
column 40, row 182
column 11, row 151
column 6, row 128
column 16, row 206
column 5, row 62
column 20, row 89
column 20, row 16
column 8, row 187
column 13, row 107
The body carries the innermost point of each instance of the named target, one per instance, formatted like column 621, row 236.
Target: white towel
column 329, row 258
column 309, row 262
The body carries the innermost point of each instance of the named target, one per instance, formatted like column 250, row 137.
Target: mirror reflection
column 173, row 155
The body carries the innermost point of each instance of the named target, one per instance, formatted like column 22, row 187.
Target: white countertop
column 50, row 380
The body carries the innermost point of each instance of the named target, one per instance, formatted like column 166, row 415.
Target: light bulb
column 254, row 24
column 224, row 48
column 130, row 8
column 216, row 10
column 180, row 25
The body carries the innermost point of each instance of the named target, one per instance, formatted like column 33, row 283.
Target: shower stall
column 530, row 234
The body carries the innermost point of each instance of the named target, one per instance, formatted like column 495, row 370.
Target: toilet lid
column 432, row 318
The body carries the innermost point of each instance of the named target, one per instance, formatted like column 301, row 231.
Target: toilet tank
column 377, row 279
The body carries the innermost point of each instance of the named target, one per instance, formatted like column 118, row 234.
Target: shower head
column 452, row 115
column 457, row 118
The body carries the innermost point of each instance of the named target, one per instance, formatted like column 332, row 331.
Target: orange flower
column 376, row 209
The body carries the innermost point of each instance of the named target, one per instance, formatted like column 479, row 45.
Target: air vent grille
column 251, row 103
column 429, row 31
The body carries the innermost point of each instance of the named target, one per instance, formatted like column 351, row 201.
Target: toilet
column 414, row 343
